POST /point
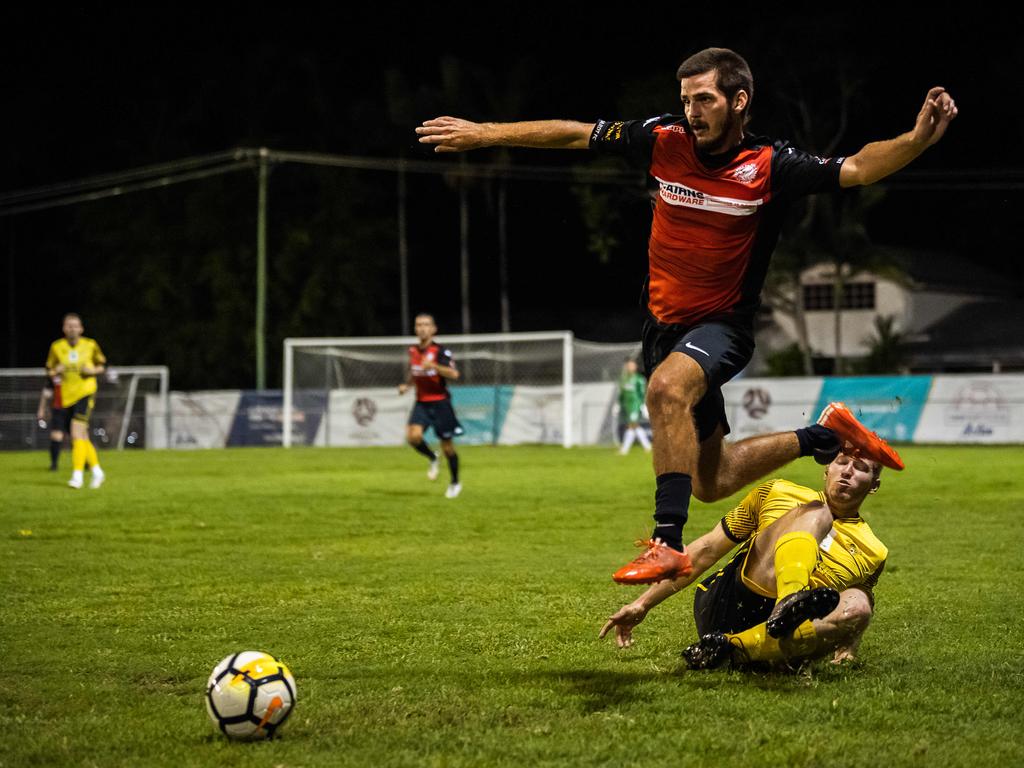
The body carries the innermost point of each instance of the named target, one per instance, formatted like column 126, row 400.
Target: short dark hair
column 732, row 72
column 70, row 315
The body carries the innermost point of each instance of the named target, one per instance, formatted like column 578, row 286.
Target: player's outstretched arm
column 882, row 158
column 704, row 553
column 453, row 134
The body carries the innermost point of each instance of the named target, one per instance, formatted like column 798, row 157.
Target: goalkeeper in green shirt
column 632, row 391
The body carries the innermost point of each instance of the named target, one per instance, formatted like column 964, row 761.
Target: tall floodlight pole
column 506, row 319
column 464, row 245
column 403, row 249
column 261, row 275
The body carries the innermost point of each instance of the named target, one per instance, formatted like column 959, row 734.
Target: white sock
column 96, row 470
column 641, row 435
column 627, row 439
column 76, row 474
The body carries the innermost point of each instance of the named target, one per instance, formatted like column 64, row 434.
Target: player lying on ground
column 800, row 584
column 717, row 218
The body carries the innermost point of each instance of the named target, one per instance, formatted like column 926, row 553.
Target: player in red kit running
column 429, row 366
column 717, row 218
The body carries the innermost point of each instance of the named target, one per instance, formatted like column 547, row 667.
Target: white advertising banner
column 761, row 406
column 521, row 414
column 198, row 419
column 535, row 414
column 973, row 409
column 365, row 417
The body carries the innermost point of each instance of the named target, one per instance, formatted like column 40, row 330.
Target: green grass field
column 429, row 632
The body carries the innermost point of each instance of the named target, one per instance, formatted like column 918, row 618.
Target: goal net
column 130, row 410
column 513, row 388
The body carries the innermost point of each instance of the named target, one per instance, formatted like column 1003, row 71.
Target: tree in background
column 887, row 348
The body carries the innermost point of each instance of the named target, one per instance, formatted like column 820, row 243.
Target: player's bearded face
column 714, row 123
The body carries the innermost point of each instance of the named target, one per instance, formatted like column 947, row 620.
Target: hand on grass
column 623, row 620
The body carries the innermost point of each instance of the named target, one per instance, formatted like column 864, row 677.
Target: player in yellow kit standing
column 74, row 361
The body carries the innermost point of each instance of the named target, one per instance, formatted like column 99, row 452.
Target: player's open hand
column 453, row 134
column 623, row 620
column 938, row 112
column 403, row 388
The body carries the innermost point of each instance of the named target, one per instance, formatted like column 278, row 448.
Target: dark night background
column 167, row 276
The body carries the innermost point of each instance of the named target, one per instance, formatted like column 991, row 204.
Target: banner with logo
column 973, row 409
column 259, row 416
column 940, row 409
column 762, row 406
column 888, row 405
column 374, row 416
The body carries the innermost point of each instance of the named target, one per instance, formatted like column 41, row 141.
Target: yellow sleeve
column 870, row 582
column 742, row 521
column 97, row 354
column 51, row 358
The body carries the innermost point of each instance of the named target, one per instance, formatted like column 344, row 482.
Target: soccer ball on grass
column 250, row 695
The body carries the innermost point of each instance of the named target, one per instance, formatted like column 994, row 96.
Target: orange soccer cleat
column 657, row 563
column 857, row 438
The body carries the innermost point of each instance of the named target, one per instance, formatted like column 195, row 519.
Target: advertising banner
column 762, row 406
column 974, row 409
column 888, row 405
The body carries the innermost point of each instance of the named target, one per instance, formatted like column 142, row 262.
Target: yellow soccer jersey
column 73, row 385
column 849, row 556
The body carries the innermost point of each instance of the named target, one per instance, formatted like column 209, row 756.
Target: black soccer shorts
column 439, row 415
column 722, row 603
column 721, row 349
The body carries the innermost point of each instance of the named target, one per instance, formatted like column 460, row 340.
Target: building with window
column 952, row 315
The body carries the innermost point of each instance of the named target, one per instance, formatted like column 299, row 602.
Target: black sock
column 422, row 447
column 453, row 467
column 55, row 446
column 819, row 442
column 671, row 508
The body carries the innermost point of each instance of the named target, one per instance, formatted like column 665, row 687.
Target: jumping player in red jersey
column 717, row 218
column 429, row 365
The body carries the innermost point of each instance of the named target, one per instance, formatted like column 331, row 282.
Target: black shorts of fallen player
column 438, row 415
column 721, row 349
column 723, row 603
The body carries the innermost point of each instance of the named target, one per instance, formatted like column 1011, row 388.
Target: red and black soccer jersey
column 717, row 217
column 430, row 385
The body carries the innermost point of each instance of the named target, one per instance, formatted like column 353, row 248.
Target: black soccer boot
column 793, row 610
column 711, row 651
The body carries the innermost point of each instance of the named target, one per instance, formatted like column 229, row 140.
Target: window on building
column 819, row 296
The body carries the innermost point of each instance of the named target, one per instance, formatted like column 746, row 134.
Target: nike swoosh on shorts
column 688, row 345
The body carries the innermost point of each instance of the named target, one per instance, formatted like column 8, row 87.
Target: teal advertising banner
column 481, row 411
column 889, row 405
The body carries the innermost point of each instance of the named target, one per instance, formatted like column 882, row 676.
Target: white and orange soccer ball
column 250, row 695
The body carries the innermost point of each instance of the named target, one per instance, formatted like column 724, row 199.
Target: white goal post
column 543, row 387
column 129, row 399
